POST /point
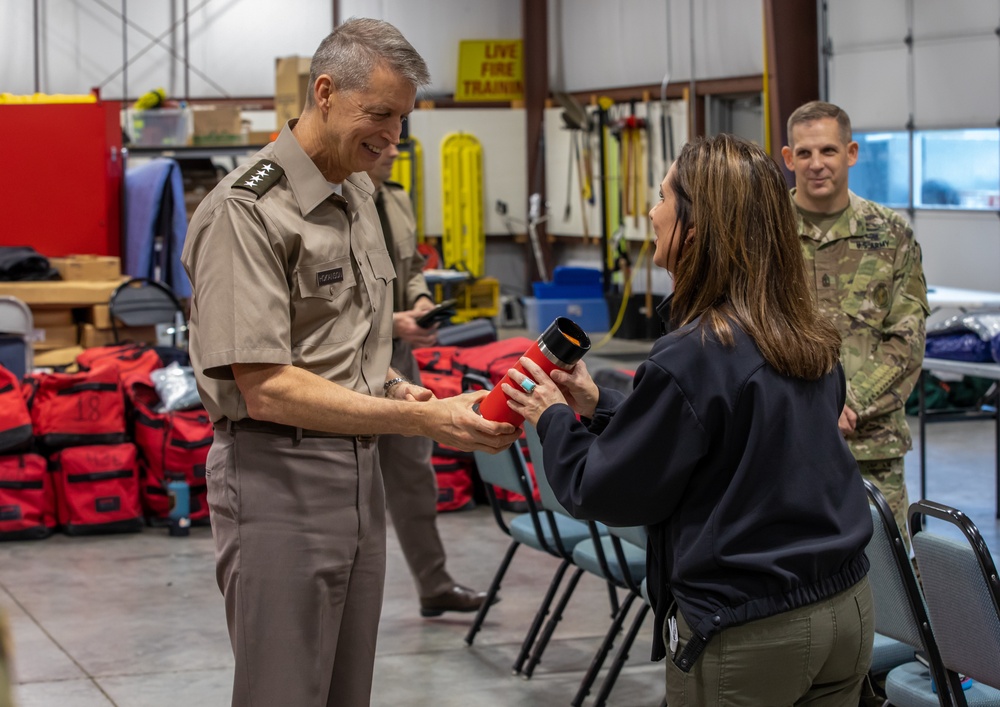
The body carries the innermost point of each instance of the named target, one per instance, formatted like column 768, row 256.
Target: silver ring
column 528, row 385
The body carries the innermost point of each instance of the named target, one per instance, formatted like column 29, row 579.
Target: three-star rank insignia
column 259, row 178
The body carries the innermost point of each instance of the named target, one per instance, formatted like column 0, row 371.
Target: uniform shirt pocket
column 382, row 265
column 325, row 292
column 327, row 280
column 381, row 290
column 870, row 291
column 867, row 306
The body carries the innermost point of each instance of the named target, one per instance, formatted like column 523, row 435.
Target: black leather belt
column 276, row 428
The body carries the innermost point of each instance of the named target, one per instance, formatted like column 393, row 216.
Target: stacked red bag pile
column 86, row 452
column 27, row 498
column 453, row 467
column 76, row 470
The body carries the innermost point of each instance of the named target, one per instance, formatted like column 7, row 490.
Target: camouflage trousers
column 887, row 475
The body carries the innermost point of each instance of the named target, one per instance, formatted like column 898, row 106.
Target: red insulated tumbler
column 561, row 345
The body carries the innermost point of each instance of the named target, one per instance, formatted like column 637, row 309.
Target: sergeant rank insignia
column 259, row 178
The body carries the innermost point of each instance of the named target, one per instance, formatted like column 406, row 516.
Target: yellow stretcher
column 463, row 237
column 408, row 170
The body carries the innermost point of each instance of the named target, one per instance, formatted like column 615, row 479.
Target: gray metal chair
column 962, row 591
column 901, row 623
column 16, row 329
column 144, row 302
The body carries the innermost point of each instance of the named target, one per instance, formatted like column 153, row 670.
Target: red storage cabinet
column 61, row 184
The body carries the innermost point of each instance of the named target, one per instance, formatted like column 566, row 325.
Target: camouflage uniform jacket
column 869, row 280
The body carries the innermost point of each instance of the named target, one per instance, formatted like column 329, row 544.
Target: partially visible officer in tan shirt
column 291, row 335
column 410, row 482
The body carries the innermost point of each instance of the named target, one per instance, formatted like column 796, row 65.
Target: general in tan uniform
column 291, row 516
column 291, row 325
column 866, row 271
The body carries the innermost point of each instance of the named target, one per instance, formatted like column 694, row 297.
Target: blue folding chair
column 630, row 546
column 557, row 537
column 621, row 564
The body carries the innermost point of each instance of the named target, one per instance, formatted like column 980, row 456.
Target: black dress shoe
column 458, row 598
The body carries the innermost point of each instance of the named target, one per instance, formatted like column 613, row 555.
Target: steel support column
column 535, row 40
column 792, row 63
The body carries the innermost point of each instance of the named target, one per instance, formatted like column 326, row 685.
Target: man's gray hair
column 351, row 52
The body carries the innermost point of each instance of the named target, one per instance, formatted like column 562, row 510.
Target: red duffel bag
column 73, row 409
column 454, row 483
column 15, row 420
column 134, row 362
column 27, row 498
column 97, row 489
column 173, row 446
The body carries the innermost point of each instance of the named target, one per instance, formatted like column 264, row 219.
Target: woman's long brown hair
column 744, row 262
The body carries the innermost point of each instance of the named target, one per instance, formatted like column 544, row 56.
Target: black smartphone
column 441, row 313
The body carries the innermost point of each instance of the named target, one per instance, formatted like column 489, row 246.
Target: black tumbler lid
column 556, row 341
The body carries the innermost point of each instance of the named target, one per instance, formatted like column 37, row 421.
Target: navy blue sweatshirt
column 752, row 499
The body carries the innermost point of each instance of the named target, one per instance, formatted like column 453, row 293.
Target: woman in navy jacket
column 728, row 451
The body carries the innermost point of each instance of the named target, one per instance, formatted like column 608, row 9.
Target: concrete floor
column 137, row 620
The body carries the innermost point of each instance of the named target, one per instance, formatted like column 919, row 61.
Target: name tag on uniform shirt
column 330, row 277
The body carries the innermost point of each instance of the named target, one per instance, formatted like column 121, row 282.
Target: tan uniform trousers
column 299, row 529
column 411, row 495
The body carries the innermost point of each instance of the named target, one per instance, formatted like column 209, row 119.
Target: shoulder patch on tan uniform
column 259, row 178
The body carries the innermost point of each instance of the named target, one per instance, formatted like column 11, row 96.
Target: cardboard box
column 54, row 337
column 261, row 137
column 57, row 316
column 217, row 125
column 291, row 86
column 53, row 293
column 91, row 336
column 99, row 315
column 88, row 267
column 57, row 357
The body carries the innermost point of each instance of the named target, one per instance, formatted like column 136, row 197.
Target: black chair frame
column 556, row 548
column 984, row 559
column 141, row 301
column 913, row 595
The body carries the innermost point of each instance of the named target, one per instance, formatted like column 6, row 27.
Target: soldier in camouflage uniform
column 866, row 269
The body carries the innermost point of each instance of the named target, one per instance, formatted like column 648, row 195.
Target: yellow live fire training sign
column 490, row 70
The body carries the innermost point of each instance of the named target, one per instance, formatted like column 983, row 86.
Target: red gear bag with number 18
column 76, row 409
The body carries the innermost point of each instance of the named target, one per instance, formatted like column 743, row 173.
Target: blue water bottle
column 180, row 507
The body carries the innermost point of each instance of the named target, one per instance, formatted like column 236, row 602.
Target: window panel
column 957, row 169
column 871, row 87
column 882, row 172
column 952, row 169
column 955, row 83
